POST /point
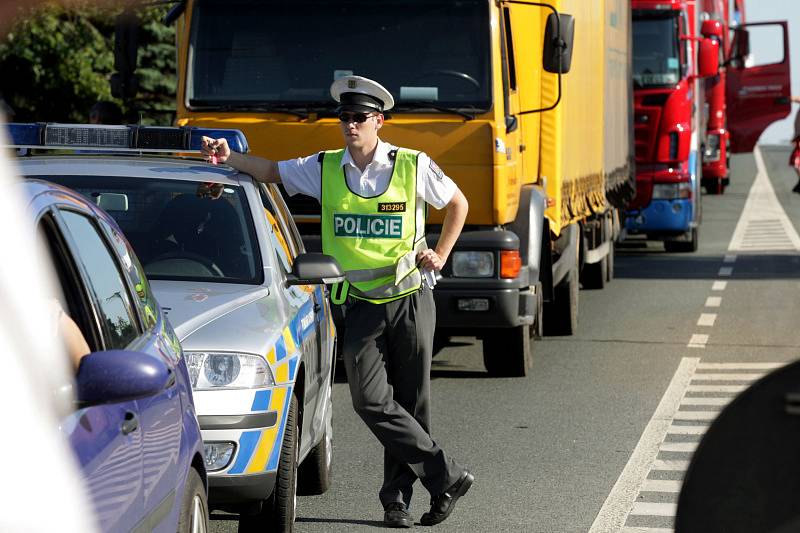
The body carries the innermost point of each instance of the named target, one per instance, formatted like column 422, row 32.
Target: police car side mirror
column 315, row 269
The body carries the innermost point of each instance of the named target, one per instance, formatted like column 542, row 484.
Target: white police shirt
column 304, row 175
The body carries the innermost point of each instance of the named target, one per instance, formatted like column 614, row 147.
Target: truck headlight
column 223, row 370
column 473, row 264
column 672, row 191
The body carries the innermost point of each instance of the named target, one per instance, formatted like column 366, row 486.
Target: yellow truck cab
column 526, row 106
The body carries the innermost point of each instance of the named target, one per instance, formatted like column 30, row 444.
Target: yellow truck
column 527, row 106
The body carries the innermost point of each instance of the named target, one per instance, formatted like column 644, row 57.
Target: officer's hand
column 430, row 260
column 215, row 150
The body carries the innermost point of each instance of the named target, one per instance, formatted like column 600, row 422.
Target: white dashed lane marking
column 713, row 301
column 719, row 285
column 698, row 340
column 707, row 319
column 644, row 499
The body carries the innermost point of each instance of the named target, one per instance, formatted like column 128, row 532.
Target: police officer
column 373, row 199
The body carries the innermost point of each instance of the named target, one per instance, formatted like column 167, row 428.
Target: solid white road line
column 719, row 285
column 698, row 340
column 700, row 376
column 704, row 416
column 733, row 389
column 661, row 485
column 713, row 301
column 653, row 509
column 614, row 512
column 704, row 400
column 761, row 211
column 725, row 272
column 687, row 430
column 679, row 446
column 646, row 530
column 740, row 366
column 671, row 465
column 707, row 319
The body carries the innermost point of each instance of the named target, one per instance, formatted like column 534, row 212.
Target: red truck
column 683, row 55
column 730, row 108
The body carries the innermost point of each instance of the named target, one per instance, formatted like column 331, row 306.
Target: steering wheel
column 453, row 74
column 213, row 269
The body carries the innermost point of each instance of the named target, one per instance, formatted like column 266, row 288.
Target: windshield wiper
column 428, row 105
column 260, row 107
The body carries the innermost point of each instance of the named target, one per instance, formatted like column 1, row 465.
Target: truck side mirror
column 711, row 28
column 558, row 38
column 708, row 58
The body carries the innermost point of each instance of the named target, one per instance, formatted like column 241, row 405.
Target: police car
column 246, row 301
column 134, row 429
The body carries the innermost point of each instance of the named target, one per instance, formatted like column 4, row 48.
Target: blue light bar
column 119, row 138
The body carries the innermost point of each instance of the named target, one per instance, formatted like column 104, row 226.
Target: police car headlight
column 223, row 370
column 473, row 264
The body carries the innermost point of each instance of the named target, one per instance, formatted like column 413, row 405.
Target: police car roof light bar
column 119, row 138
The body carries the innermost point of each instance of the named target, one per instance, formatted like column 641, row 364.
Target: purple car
column 134, row 429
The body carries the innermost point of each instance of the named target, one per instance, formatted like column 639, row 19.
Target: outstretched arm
column 262, row 169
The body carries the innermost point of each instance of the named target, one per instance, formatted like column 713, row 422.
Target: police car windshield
column 177, row 234
column 289, row 51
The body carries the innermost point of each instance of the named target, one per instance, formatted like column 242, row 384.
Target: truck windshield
column 176, row 234
column 279, row 53
column 656, row 56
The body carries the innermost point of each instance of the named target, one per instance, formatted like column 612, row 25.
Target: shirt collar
column 381, row 156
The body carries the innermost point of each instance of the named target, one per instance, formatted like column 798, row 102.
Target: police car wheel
column 278, row 512
column 314, row 475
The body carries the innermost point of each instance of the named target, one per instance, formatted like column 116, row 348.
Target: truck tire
column 715, row 187
column 278, row 511
column 595, row 275
column 508, row 352
column 687, row 246
column 561, row 315
column 314, row 475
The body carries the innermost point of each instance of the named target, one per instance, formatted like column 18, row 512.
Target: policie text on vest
column 373, row 226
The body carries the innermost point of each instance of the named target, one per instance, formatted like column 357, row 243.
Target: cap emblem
column 351, row 84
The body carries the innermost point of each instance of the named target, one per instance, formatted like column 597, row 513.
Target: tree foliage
column 57, row 61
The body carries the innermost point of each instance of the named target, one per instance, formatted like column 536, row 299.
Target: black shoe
column 395, row 514
column 443, row 504
column 796, row 188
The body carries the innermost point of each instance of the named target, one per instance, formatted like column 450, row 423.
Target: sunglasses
column 358, row 118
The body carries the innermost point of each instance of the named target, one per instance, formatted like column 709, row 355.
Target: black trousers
column 387, row 352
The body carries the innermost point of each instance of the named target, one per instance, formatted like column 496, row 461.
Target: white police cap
column 356, row 93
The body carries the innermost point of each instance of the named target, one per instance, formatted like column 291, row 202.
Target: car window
column 133, row 270
column 286, row 219
column 177, row 234
column 117, row 316
column 282, row 245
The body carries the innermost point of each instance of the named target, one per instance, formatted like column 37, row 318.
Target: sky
column 764, row 10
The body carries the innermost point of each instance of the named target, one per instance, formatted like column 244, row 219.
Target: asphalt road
column 578, row 437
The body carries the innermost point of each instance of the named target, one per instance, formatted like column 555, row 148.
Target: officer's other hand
column 214, row 150
column 430, row 260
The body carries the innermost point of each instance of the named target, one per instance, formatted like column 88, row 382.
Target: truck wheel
column 594, row 275
column 508, row 352
column 314, row 475
column 684, row 246
column 715, row 187
column 561, row 315
column 278, row 511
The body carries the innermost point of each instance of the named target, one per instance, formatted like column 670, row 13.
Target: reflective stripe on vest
column 374, row 239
